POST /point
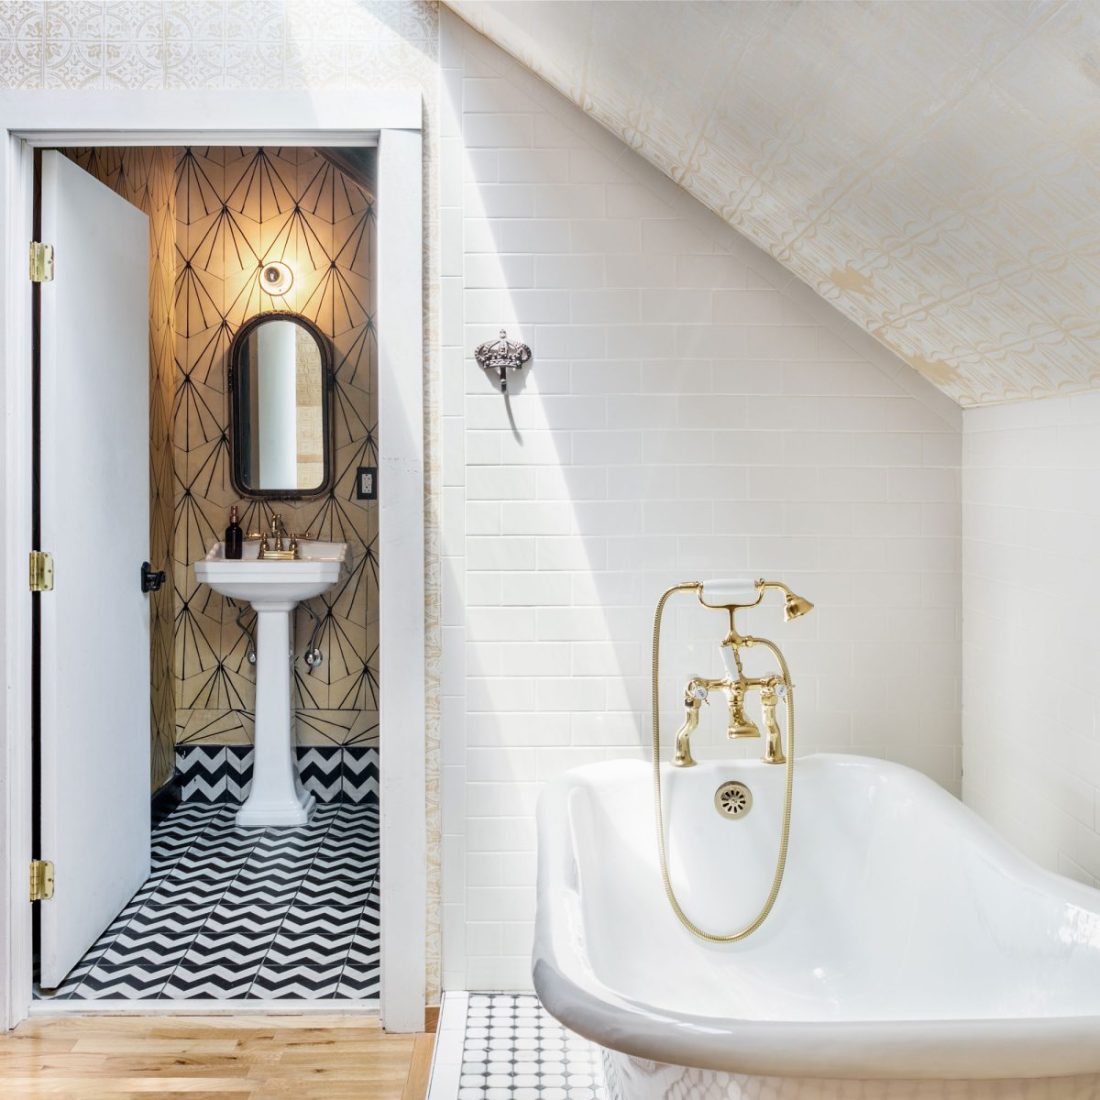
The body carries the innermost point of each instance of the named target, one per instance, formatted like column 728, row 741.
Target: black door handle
column 151, row 581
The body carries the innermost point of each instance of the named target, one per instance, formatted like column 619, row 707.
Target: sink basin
column 317, row 568
column 274, row 588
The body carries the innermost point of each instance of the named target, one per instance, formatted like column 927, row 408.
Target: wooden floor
column 317, row 1057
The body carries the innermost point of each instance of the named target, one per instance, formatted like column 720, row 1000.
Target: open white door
column 94, row 494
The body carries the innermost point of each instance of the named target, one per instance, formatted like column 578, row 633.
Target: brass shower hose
column 785, row 833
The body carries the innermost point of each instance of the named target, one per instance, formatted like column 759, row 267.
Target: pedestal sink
column 274, row 587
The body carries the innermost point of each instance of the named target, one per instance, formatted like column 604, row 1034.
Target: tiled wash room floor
column 506, row 1046
column 230, row 913
column 265, row 914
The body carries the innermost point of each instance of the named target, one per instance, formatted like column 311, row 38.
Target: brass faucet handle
column 695, row 694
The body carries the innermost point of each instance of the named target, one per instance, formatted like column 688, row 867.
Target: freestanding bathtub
column 912, row 953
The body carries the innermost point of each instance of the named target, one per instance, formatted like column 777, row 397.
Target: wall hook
column 502, row 355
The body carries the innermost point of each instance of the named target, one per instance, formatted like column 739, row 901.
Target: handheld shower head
column 736, row 592
column 796, row 606
column 729, row 592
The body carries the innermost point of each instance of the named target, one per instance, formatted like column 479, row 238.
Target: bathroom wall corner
column 1031, row 701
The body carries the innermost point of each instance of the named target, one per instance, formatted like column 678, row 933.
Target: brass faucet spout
column 278, row 531
column 740, row 724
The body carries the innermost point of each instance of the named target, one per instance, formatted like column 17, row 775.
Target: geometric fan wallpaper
column 236, row 210
column 217, row 215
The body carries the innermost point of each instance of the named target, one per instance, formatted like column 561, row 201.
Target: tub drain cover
column 733, row 800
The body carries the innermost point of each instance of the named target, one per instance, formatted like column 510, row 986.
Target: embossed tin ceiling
column 931, row 169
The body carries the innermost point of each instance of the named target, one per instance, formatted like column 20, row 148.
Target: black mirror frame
column 235, row 411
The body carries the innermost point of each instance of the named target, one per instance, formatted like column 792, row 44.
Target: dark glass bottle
column 234, row 539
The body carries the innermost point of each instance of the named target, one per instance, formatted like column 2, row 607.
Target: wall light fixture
column 276, row 277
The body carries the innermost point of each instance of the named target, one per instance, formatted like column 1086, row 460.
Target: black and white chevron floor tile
column 231, row 913
column 333, row 773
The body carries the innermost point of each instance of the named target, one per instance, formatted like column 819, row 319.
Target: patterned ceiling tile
column 24, row 19
column 932, row 170
column 21, row 61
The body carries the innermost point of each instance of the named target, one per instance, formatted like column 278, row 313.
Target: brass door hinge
column 41, row 880
column 41, row 571
column 41, row 262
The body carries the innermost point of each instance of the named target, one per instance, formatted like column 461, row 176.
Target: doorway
column 105, row 119
column 225, row 911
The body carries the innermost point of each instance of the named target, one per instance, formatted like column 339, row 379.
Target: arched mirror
column 280, row 383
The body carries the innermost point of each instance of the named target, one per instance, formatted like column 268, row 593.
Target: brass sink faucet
column 275, row 543
column 736, row 684
column 278, row 531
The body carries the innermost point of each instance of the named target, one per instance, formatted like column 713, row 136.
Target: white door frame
column 393, row 120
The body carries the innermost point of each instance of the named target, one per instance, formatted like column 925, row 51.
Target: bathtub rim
column 980, row 1049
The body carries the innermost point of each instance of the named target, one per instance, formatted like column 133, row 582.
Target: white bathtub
column 912, row 953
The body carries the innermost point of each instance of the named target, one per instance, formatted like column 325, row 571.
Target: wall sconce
column 502, row 355
column 276, row 277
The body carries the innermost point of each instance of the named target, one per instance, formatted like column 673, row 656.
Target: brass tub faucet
column 733, row 596
column 730, row 596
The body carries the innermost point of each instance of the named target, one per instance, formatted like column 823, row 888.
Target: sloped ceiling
column 931, row 169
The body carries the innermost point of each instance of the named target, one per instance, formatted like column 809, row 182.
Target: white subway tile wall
column 690, row 411
column 1031, row 647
